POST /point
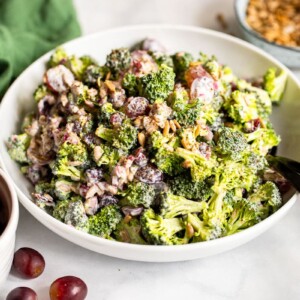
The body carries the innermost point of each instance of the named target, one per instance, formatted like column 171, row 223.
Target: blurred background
column 99, row 15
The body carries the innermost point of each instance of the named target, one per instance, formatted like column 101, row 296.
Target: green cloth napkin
column 29, row 28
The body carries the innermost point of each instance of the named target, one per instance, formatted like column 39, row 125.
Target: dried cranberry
column 205, row 150
column 140, row 157
column 91, row 139
column 149, row 174
column 252, row 125
column 83, row 189
column 116, row 119
column 136, row 106
column 106, row 199
column 233, row 86
column 93, row 175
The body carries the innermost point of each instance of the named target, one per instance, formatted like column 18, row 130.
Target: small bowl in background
column 290, row 56
column 9, row 215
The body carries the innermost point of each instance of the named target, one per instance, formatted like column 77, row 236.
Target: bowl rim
column 255, row 34
column 12, row 223
column 62, row 229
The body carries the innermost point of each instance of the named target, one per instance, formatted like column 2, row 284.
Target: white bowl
column 9, row 200
column 245, row 59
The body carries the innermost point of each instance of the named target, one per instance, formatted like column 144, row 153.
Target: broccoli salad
column 151, row 148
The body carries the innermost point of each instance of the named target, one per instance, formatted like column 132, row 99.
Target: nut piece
column 278, row 21
column 166, row 128
column 141, row 138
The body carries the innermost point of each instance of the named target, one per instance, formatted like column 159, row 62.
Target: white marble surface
column 266, row 268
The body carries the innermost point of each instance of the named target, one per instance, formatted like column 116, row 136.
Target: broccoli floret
column 63, row 167
column 255, row 161
column 178, row 99
column 106, row 111
column 168, row 162
column 163, row 59
column 118, row 61
column 213, row 68
column 263, row 101
column 93, row 73
column 275, row 84
column 72, row 212
column 157, row 85
column 105, row 222
column 78, row 65
column 63, row 188
column 130, row 84
column 73, row 152
column 76, row 216
column 160, row 231
column 231, row 143
column 129, row 232
column 262, row 140
column 245, row 214
column 184, row 186
column 203, row 232
column 181, row 61
column 139, row 193
column 172, row 205
column 107, row 155
column 242, row 107
column 123, row 138
column 44, row 187
column 17, row 146
column 188, row 115
column 201, row 168
column 58, row 57
column 268, row 197
column 40, row 92
column 164, row 156
column 229, row 175
column 60, row 209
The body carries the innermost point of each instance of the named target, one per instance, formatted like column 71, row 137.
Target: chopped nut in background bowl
column 272, row 25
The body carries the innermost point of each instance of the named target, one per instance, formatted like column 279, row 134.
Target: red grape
column 59, row 79
column 68, row 288
column 136, row 106
column 22, row 293
column 28, row 262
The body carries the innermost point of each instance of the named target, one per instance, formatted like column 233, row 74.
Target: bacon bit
column 127, row 219
column 177, row 124
column 166, row 128
column 172, row 125
column 141, row 138
column 189, row 230
column 110, row 85
column 186, row 164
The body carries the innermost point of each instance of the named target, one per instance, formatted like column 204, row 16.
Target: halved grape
column 22, row 293
column 68, row 288
column 28, row 262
